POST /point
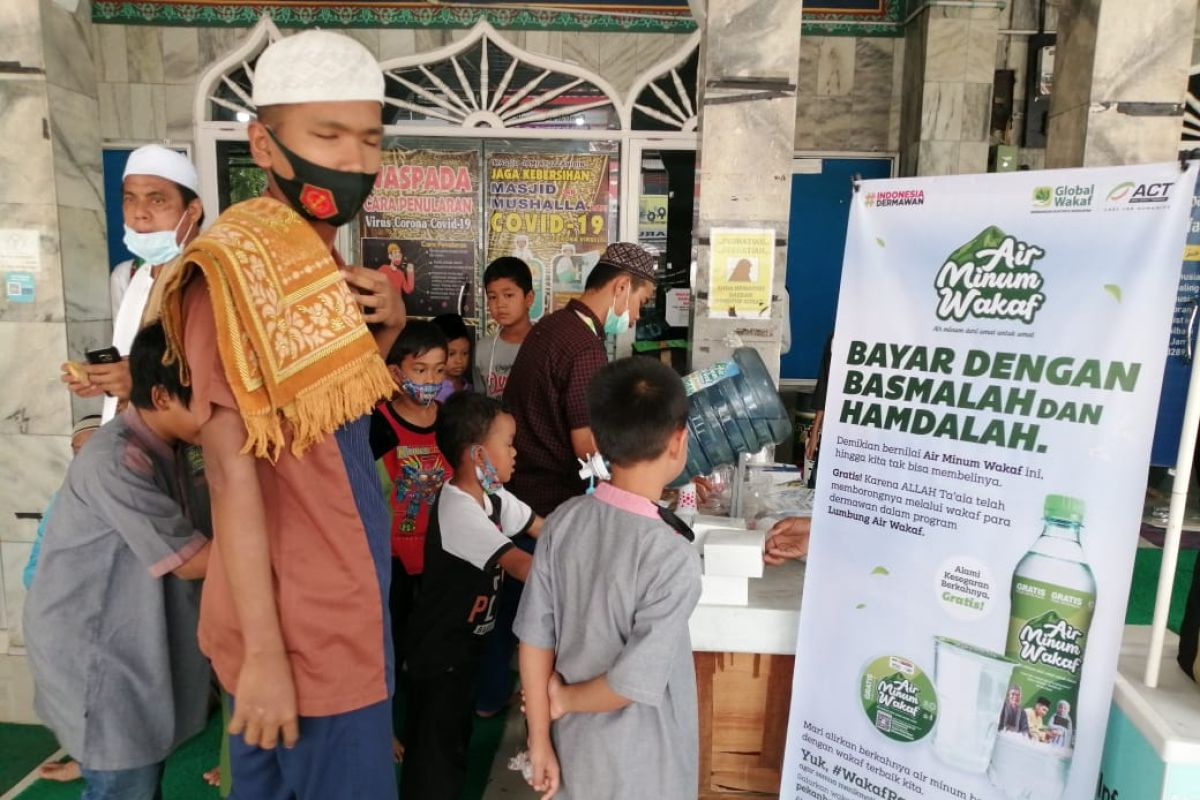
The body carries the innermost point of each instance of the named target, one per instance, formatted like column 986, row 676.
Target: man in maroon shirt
column 547, row 396
column 547, row 388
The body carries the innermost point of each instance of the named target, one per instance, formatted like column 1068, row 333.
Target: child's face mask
column 486, row 474
column 420, row 393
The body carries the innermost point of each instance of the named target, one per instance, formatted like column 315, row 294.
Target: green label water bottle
column 1053, row 597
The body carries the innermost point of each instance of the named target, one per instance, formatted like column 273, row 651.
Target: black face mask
column 321, row 194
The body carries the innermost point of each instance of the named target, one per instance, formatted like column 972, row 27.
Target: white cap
column 316, row 67
column 163, row 162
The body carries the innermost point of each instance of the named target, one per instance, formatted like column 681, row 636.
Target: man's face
column 344, row 136
column 151, row 204
column 1014, row 696
column 625, row 295
column 1041, row 709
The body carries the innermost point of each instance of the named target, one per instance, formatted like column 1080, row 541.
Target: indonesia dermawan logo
column 896, row 197
column 991, row 277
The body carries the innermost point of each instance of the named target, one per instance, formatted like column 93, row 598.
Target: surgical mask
column 156, row 247
column 321, row 194
column 421, row 393
column 614, row 324
column 488, row 477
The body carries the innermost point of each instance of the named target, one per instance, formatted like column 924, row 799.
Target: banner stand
column 1179, row 492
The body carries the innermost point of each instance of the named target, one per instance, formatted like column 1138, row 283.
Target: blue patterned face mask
column 488, row 477
column 421, row 393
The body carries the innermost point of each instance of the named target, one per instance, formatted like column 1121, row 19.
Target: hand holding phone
column 103, row 355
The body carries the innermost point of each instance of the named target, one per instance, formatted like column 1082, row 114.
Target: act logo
column 1131, row 193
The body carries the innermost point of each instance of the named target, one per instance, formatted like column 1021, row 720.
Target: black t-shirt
column 456, row 607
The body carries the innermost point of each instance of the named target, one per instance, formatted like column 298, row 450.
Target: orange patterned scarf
column 290, row 334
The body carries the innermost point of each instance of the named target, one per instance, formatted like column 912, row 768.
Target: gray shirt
column 611, row 591
column 494, row 358
column 110, row 632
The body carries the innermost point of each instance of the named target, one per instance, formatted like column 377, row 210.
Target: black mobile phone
column 105, row 355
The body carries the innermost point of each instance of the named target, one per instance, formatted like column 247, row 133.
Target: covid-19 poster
column 420, row 226
column 553, row 211
column 997, row 362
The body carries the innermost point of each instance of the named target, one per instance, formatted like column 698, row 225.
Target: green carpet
column 24, row 747
column 182, row 780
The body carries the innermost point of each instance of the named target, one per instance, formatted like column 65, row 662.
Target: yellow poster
column 552, row 211
column 741, row 272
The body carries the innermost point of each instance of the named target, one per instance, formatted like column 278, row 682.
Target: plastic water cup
column 971, row 685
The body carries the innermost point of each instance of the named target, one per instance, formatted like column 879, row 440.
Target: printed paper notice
column 740, row 274
column 19, row 250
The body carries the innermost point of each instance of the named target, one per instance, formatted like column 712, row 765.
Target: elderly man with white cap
column 162, row 214
column 282, row 345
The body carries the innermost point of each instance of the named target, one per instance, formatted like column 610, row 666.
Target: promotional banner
column 997, row 362
column 420, row 226
column 552, row 210
column 1179, row 354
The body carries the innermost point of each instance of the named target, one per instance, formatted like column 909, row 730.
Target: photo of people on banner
column 552, row 211
column 420, row 226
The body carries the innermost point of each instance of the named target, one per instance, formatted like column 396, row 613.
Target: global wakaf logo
column 991, row 277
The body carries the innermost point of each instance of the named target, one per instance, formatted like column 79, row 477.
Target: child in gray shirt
column 111, row 617
column 605, row 655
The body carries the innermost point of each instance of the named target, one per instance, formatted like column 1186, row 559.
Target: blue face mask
column 616, row 324
column 421, row 393
column 156, row 247
column 488, row 477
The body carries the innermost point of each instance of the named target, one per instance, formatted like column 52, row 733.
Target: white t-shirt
column 127, row 322
column 466, row 531
column 118, row 283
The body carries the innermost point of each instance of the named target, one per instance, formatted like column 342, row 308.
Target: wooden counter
column 744, row 662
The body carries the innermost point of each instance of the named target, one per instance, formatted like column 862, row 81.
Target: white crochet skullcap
column 163, row 162
column 316, row 67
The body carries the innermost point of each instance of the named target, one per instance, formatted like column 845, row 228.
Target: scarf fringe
column 345, row 394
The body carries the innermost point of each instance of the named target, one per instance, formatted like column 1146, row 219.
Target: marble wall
column 1112, row 54
column 950, row 62
column 747, row 144
column 848, row 95
column 51, row 164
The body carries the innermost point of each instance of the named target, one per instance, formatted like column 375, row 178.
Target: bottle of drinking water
column 1053, row 597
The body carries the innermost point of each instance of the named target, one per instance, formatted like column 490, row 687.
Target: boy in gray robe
column 110, row 620
column 606, row 658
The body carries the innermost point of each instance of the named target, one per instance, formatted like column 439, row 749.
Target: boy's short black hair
column 418, row 338
column 512, row 268
column 636, row 404
column 463, row 421
column 452, row 327
column 147, row 369
column 604, row 274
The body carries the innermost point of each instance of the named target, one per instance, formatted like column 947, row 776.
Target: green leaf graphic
column 880, row 571
column 1114, row 290
column 879, row 242
column 861, row 605
column 989, row 237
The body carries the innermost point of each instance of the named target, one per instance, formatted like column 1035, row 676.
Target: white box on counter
column 734, row 553
column 719, row 590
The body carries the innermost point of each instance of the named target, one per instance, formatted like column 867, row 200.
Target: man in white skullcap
column 282, row 344
column 162, row 213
